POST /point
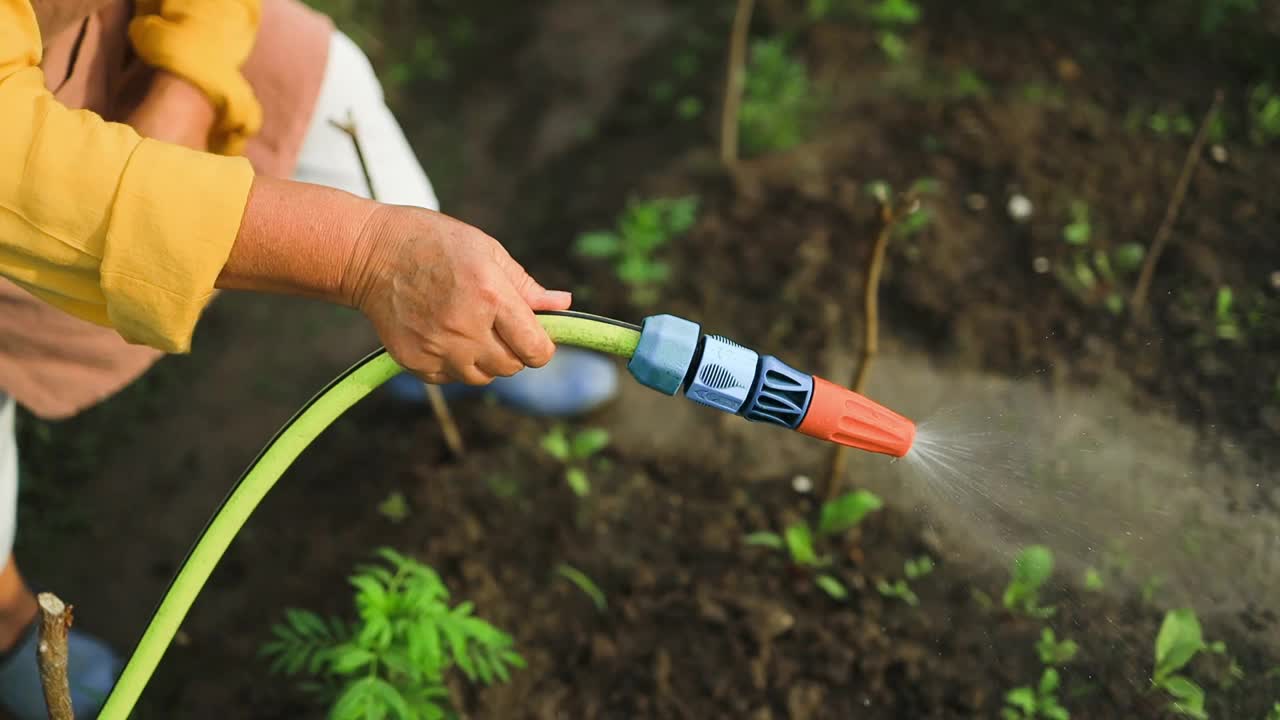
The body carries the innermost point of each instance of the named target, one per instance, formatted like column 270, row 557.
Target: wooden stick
column 1138, row 300
column 735, row 82
column 439, row 406
column 888, row 216
column 51, row 654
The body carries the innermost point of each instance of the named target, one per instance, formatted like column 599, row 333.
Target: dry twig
column 51, row 654
column 1138, row 301
column 735, row 82
column 439, row 406
column 888, row 214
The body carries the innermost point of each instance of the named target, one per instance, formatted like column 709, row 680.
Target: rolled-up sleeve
column 113, row 228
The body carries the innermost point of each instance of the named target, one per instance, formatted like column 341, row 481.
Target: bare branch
column 1138, row 301
column 439, row 406
column 51, row 654
column 735, row 82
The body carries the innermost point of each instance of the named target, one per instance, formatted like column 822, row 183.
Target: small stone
column 1219, row 154
column 1020, row 208
column 1275, row 279
column 976, row 202
column 802, row 484
column 1040, row 265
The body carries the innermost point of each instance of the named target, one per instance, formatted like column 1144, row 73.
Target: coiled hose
column 565, row 328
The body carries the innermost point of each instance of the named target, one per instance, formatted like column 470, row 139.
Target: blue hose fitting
column 716, row 372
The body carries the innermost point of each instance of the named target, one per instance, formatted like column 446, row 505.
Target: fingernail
column 560, row 296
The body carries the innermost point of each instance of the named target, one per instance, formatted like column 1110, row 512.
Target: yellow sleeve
column 119, row 230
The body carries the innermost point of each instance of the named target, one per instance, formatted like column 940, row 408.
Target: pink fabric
column 56, row 365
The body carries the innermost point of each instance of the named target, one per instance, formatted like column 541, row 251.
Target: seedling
column 395, row 508
column 1079, row 231
column 644, row 228
column 777, row 101
column 1093, row 580
column 798, row 540
column 901, row 589
column 1096, row 275
column 1264, row 110
column 584, row 583
column 1224, row 314
column 1027, row 703
column 574, row 452
column 393, row 661
column 1053, row 652
column 1178, row 642
column 1031, row 569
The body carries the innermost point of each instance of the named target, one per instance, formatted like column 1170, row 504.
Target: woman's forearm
column 174, row 111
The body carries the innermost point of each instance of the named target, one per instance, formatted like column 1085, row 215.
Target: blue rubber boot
column 92, row 669
column 573, row 383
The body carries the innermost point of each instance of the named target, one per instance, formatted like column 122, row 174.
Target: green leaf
column 831, row 586
column 598, row 244
column 583, row 583
column 1092, row 580
column 578, row 481
column 1049, row 682
column 1223, row 302
column 1051, row 710
column 1128, row 256
column 350, row 658
column 847, row 511
column 1188, row 696
column 682, row 213
column 895, row 12
column 395, row 508
column 589, row 442
column 764, row 539
column 556, row 444
column 1022, row 698
column 800, row 544
column 1178, row 641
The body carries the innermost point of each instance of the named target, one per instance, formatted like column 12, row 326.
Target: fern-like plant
column 391, row 663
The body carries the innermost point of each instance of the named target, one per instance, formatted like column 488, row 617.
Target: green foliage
column 1079, row 230
column 644, row 228
column 1093, row 580
column 1275, row 712
column 675, row 92
column 1027, row 703
column 801, row 542
column 914, row 569
column 394, row 508
column 573, row 452
column 1053, row 652
column 583, row 583
column 1031, row 570
column 1264, row 112
column 1180, row 639
column 1095, row 275
column 1216, row 13
column 1224, row 315
column 1165, row 124
column 892, row 45
column 392, row 661
column 778, row 106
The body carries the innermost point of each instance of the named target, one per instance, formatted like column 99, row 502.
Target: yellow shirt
column 113, row 228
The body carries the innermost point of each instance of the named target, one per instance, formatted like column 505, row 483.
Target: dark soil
column 698, row 625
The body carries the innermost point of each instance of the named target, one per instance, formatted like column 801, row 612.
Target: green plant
column 1055, row 652
column 1079, row 230
column 392, row 661
column 1165, row 124
column 914, row 570
column 1180, row 639
column 798, row 540
column 1095, row 275
column 1031, row 570
column 574, row 452
column 1275, row 712
column 892, row 45
column 584, row 583
column 778, row 104
column 394, row 508
column 1027, row 703
column 644, row 228
column 1093, row 580
column 1224, row 315
column 1264, row 110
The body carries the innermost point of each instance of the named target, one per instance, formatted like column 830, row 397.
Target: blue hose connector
column 719, row 373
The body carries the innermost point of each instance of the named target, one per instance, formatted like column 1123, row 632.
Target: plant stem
column 51, row 654
column 1138, row 301
column 735, row 82
column 439, row 406
column 888, row 214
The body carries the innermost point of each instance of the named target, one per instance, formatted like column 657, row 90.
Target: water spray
column 668, row 354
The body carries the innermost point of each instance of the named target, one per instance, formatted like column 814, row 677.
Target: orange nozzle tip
column 844, row 417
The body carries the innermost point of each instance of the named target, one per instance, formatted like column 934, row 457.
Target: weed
column 1055, row 652
column 901, row 589
column 574, row 452
column 392, row 661
column 1031, row 569
column 1264, row 110
column 1094, row 275
column 1027, row 703
column 394, row 508
column 584, row 583
column 798, row 540
column 644, row 228
column 1179, row 640
column 1224, row 315
column 777, row 102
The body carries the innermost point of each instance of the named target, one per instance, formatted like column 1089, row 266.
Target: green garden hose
column 565, row 328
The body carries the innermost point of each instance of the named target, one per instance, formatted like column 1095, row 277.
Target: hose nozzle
column 674, row 355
